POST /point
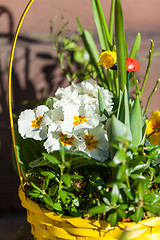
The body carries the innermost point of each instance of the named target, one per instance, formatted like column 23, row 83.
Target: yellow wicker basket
column 47, row 225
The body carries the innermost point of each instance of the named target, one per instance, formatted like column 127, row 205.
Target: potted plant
column 87, row 158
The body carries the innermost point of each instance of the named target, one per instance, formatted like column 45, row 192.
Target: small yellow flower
column 153, row 126
column 107, row 58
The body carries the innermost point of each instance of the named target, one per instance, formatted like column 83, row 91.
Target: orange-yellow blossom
column 107, row 58
column 153, row 126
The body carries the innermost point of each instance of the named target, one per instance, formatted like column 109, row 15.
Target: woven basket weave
column 47, row 225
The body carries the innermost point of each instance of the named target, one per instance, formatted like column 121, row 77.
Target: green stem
column 148, row 67
column 136, row 85
column 149, row 98
column 62, row 166
column 128, row 84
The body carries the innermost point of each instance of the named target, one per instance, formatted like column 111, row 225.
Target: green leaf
column 93, row 60
column 100, row 209
column 49, row 102
column 52, row 190
column 66, row 179
column 45, row 183
column 111, row 21
column 121, row 213
column 157, row 179
column 75, row 176
column 136, row 123
column 119, row 131
column 140, row 167
column 155, row 153
column 38, row 162
column 62, row 150
column 140, row 190
column 138, row 214
column 63, row 195
column 121, row 172
column 152, row 171
column 136, row 46
column 48, row 174
column 151, row 198
column 51, row 158
column 151, row 147
column 123, row 108
column 30, row 150
column 92, row 45
column 102, row 104
column 102, row 29
column 115, row 194
column 57, row 206
column 85, row 162
column 36, row 187
column 119, row 157
column 152, row 208
column 138, row 176
column 35, row 193
column 113, row 219
column 128, row 193
column 120, row 46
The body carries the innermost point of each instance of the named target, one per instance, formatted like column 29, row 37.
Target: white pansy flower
column 31, row 124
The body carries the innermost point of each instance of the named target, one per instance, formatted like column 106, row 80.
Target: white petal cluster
column 74, row 120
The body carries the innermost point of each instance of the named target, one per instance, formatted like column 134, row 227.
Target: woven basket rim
column 27, row 202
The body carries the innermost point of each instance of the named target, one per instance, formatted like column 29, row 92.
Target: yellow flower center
column 36, row 123
column 91, row 142
column 79, row 120
column 66, row 141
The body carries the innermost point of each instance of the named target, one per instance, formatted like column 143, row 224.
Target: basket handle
column 10, row 85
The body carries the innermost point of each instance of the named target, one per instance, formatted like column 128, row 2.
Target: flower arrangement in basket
column 88, row 158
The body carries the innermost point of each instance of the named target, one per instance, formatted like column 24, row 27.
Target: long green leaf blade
column 120, row 45
column 136, row 123
column 111, row 21
column 92, row 45
column 123, row 108
column 86, row 38
column 101, row 25
column 136, row 46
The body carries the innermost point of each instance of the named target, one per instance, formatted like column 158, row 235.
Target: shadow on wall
column 36, row 75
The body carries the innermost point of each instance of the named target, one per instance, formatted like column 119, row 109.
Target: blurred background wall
column 36, row 69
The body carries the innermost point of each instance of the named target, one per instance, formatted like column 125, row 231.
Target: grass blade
column 120, row 45
column 136, row 46
column 92, row 51
column 102, row 29
column 111, row 21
